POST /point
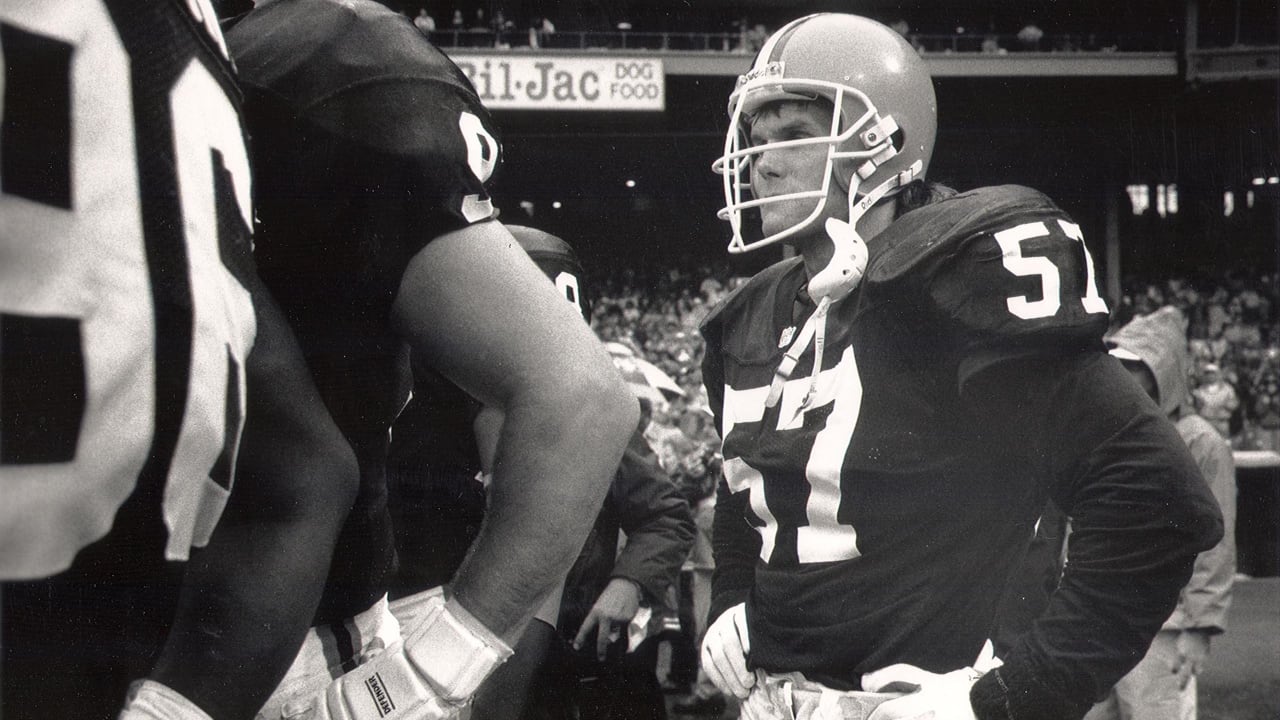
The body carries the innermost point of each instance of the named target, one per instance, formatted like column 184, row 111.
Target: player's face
column 800, row 168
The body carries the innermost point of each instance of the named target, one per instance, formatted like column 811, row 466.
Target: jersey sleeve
column 1140, row 513
column 354, row 111
column 735, row 544
column 441, row 142
column 1004, row 274
column 370, row 175
column 712, row 331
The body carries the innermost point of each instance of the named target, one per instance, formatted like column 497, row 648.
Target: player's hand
column 430, row 675
column 724, row 652
column 1193, row 648
column 849, row 261
column 387, row 686
column 610, row 616
column 929, row 695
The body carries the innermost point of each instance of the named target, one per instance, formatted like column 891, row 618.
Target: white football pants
column 791, row 696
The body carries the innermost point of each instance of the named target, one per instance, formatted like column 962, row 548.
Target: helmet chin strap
column 833, row 283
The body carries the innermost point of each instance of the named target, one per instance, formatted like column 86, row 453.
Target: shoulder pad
column 997, row 272
column 534, row 240
column 937, row 229
column 754, row 297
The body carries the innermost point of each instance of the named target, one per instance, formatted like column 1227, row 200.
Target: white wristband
column 453, row 650
column 151, row 700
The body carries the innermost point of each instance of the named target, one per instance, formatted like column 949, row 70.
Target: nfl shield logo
column 787, row 335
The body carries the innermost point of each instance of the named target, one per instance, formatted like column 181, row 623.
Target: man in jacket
column 1163, row 685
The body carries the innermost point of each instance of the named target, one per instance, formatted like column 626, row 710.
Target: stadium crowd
column 1013, row 29
column 1233, row 330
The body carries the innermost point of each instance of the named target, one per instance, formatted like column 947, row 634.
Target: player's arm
column 1208, row 594
column 1140, row 513
column 477, row 309
column 249, row 596
column 735, row 545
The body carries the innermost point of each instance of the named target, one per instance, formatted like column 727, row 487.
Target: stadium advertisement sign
column 514, row 82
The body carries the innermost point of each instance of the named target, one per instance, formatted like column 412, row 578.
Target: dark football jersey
column 125, row 325
column 436, row 500
column 882, row 525
column 367, row 143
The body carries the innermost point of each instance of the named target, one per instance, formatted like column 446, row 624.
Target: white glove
column 151, row 700
column 931, row 696
column 724, row 652
column 848, row 262
column 431, row 675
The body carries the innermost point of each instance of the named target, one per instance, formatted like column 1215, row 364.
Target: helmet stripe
column 772, row 49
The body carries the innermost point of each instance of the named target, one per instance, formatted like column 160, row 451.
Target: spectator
column 1163, row 685
column 604, row 668
column 1029, row 37
column 546, row 29
column 1266, row 409
column 740, row 27
column 1216, row 399
column 665, row 435
column 501, row 28
column 698, row 477
column 903, row 28
column 424, row 22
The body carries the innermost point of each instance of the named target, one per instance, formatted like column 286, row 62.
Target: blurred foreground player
column 372, row 154
column 170, row 477
column 878, row 496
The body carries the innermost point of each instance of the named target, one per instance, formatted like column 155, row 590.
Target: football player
column 172, row 483
column 437, row 502
column 897, row 401
column 378, row 236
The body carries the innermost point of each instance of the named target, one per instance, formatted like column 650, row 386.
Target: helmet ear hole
column 898, row 138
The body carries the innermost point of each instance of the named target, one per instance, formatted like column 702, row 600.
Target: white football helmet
column 882, row 128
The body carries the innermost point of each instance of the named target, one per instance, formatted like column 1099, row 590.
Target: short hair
column 919, row 193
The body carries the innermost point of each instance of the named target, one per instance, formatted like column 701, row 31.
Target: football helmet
column 882, row 127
